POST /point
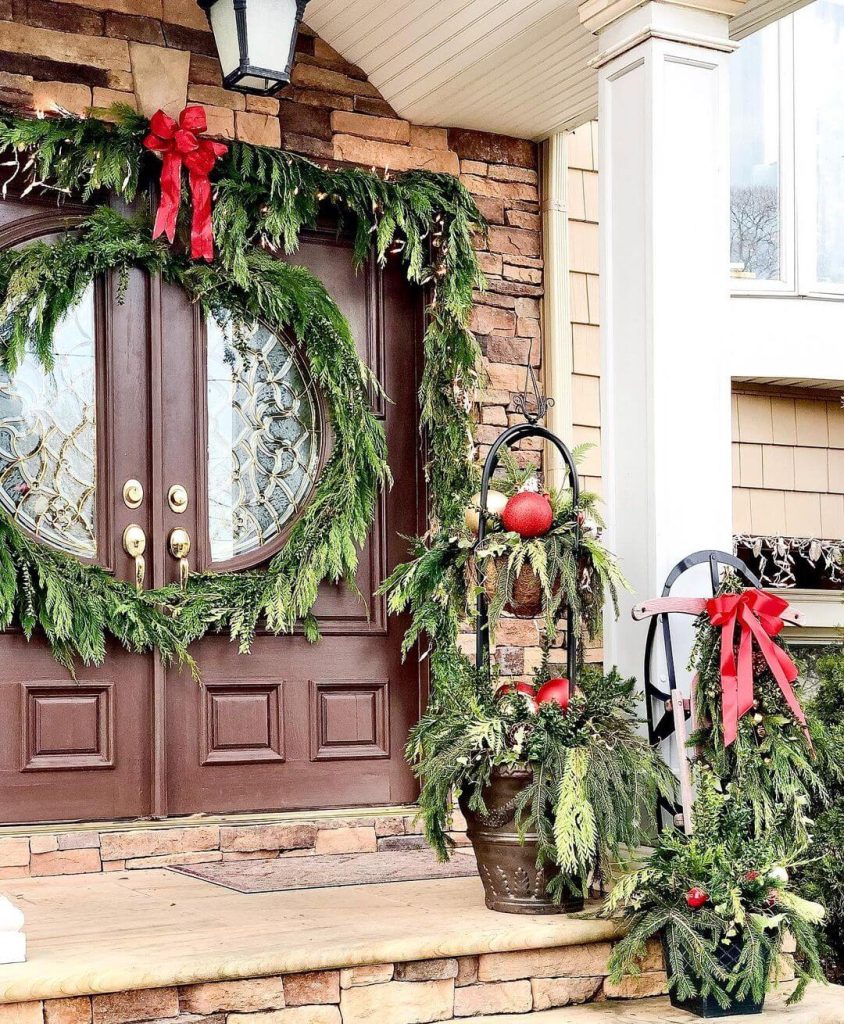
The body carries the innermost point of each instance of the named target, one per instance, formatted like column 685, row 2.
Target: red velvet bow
column 180, row 144
column 758, row 615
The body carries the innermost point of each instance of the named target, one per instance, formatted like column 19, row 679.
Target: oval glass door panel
column 264, row 438
column 48, row 438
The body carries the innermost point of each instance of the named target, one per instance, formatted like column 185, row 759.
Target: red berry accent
column 556, row 690
column 696, row 898
column 751, row 876
column 529, row 514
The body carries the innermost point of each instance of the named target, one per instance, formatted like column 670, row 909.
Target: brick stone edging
column 420, row 991
column 452, row 988
column 90, row 850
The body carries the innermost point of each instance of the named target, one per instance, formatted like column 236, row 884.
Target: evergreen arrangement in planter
column 722, row 904
column 723, row 897
column 541, row 555
column 553, row 779
column 568, row 774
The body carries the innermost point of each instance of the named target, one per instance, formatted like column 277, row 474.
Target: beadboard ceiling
column 517, row 67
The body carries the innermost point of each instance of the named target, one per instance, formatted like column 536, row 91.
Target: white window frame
column 785, row 284
column 806, row 175
column 797, row 178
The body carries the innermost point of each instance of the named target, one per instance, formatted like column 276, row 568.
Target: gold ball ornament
column 495, row 502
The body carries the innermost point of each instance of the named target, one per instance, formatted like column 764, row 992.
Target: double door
column 158, row 448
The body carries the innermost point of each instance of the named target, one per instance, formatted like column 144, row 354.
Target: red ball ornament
column 696, row 898
column 529, row 514
column 556, row 690
column 527, row 689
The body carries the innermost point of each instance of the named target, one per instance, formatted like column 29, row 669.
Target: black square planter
column 708, row 1006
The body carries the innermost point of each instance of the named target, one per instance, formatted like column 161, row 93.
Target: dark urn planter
column 512, row 882
column 708, row 1006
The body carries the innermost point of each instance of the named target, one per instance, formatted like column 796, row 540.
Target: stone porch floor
column 148, row 929
column 822, row 1005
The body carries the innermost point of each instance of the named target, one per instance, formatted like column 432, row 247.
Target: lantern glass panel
column 270, row 25
column 224, row 27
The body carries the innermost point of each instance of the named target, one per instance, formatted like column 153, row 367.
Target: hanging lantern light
column 256, row 41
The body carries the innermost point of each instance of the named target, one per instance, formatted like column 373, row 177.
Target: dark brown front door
column 226, row 449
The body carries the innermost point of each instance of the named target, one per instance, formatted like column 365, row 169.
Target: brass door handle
column 179, row 544
column 134, row 544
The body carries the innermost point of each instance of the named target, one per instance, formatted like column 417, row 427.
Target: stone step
column 151, row 946
column 823, row 1004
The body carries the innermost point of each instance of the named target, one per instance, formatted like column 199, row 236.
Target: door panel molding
column 67, row 725
column 349, row 719
column 242, row 722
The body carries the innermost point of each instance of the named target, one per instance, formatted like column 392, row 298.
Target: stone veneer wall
column 522, row 981
column 83, row 851
column 419, row 991
column 75, row 53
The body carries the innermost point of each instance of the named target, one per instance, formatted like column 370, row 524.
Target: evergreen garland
column 263, row 199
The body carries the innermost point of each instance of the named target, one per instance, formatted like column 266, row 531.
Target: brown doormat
column 319, row 872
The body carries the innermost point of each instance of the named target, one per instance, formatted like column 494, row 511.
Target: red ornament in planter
column 518, row 687
column 529, row 514
column 556, row 690
column 696, row 898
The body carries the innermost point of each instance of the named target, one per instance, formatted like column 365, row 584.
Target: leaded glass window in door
column 48, row 438
column 264, row 437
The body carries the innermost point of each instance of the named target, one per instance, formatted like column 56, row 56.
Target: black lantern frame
column 245, row 67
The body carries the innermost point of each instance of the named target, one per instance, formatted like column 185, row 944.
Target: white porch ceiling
column 516, row 67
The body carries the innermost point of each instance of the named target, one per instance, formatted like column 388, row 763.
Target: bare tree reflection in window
column 754, row 230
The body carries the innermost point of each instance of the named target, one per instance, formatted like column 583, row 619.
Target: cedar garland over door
column 227, row 451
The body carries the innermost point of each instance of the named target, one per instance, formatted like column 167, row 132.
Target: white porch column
column 663, row 118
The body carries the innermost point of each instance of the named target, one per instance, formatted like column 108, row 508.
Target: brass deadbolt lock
column 177, row 498
column 133, row 493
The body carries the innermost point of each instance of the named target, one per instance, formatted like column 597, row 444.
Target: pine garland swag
column 780, row 768
column 263, row 199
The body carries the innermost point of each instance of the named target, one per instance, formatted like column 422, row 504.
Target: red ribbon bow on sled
column 180, row 144
column 758, row 615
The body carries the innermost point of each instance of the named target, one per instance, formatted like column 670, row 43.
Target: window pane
column 821, row 33
column 263, row 438
column 755, row 158
column 48, row 438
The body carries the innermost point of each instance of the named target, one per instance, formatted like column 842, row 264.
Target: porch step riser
column 522, row 982
column 89, row 850
column 427, row 990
